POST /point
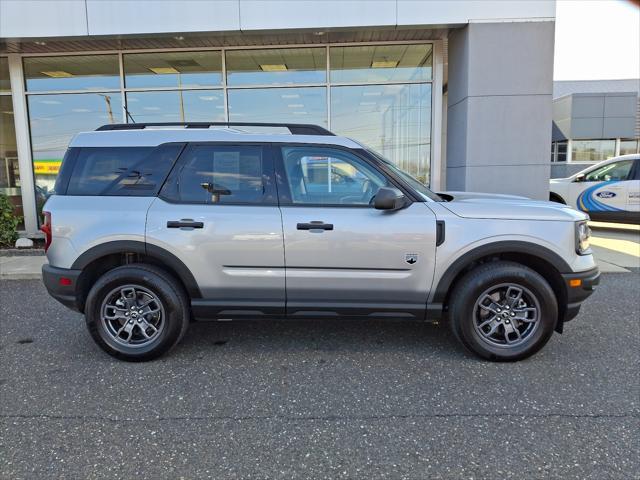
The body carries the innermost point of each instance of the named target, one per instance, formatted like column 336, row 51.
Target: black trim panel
column 206, row 309
column 122, row 246
column 65, row 294
column 493, row 249
column 351, row 309
column 620, row 217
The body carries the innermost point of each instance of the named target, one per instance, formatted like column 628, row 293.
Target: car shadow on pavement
column 330, row 335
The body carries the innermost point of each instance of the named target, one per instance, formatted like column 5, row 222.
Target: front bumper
column 62, row 284
column 579, row 287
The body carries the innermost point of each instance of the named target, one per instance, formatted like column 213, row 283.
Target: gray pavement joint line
column 320, row 418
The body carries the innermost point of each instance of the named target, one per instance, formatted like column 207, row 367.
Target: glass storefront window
column 279, row 66
column 74, row 72
column 54, row 120
column 176, row 106
column 293, row 105
column 9, row 168
column 394, row 120
column 628, row 147
column 5, row 84
column 592, row 150
column 381, row 63
column 173, row 69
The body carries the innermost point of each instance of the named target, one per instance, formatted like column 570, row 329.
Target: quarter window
column 219, row 174
column 326, row 176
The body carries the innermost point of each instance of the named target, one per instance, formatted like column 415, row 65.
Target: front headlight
column 583, row 236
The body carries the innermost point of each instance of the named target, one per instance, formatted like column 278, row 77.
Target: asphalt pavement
column 319, row 399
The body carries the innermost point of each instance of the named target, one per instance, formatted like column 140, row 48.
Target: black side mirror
column 389, row 198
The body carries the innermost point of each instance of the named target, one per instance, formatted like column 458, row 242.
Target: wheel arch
column 538, row 258
column 104, row 257
column 556, row 197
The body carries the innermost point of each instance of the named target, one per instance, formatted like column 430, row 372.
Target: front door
column 343, row 257
column 218, row 214
column 604, row 192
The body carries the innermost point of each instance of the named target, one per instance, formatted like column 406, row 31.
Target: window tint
column 213, row 174
column 612, row 171
column 326, row 176
column 136, row 171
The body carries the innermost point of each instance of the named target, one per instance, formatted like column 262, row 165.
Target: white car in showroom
column 608, row 191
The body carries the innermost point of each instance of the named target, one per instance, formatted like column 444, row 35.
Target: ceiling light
column 40, row 43
column 179, row 38
column 295, row 105
column 319, row 33
column 384, row 64
column 290, row 95
column 371, row 94
column 277, row 67
column 7, row 112
column 57, row 74
column 364, row 104
column 299, row 112
column 163, row 70
column 208, row 98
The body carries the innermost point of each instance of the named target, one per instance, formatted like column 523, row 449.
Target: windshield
column 417, row 185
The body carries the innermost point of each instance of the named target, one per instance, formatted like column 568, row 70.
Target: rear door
column 343, row 257
column 218, row 213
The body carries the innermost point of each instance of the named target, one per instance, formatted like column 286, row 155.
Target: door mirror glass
column 389, row 198
column 579, row 178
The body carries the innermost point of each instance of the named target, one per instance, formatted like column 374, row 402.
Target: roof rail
column 294, row 128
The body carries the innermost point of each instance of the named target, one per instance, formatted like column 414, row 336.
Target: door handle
column 184, row 223
column 315, row 225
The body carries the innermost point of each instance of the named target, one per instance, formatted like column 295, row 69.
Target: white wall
column 58, row 18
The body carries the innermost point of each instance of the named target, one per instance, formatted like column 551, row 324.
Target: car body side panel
column 80, row 223
column 238, row 255
column 463, row 235
column 371, row 262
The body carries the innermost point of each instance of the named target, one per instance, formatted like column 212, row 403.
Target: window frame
column 284, row 192
column 269, row 196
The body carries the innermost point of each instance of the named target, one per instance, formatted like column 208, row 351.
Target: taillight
column 46, row 229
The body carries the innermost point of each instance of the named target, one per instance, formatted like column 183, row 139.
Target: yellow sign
column 51, row 167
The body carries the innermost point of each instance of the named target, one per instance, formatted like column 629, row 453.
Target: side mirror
column 580, row 178
column 389, row 198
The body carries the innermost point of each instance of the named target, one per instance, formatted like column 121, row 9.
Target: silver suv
column 152, row 226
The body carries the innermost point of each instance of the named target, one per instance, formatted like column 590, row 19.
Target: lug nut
column 139, row 311
column 513, row 314
column 130, row 321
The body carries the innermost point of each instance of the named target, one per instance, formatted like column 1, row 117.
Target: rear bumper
column 588, row 281
column 64, row 291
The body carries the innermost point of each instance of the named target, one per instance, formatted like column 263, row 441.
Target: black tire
column 464, row 311
column 171, row 299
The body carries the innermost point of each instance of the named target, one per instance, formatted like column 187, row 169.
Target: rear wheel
column 137, row 312
column 503, row 311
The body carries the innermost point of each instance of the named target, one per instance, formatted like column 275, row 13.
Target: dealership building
column 457, row 93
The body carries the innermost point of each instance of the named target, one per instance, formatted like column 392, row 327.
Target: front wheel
column 503, row 311
column 137, row 312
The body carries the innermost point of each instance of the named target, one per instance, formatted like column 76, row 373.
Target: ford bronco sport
column 154, row 225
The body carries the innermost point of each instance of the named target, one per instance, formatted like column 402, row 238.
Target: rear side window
column 219, row 174
column 122, row 171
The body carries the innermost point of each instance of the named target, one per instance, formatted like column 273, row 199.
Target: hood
column 507, row 207
column 562, row 180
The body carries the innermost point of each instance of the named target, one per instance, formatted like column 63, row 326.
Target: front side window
column 219, row 174
column 613, row 171
column 327, row 176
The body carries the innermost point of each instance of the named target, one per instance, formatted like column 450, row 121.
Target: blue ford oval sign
column 605, row 194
